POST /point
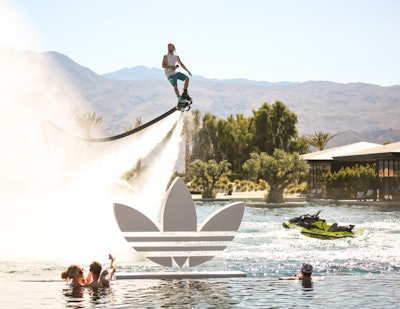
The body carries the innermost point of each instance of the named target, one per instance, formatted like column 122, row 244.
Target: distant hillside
column 142, row 72
column 136, row 73
column 320, row 105
column 373, row 136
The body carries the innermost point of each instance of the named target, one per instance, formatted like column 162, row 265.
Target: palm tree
column 320, row 139
column 89, row 122
column 138, row 123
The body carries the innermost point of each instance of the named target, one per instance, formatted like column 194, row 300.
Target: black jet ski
column 302, row 220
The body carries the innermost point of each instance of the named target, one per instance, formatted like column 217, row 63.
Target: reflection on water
column 354, row 290
column 180, row 294
column 307, row 284
column 259, row 293
column 80, row 297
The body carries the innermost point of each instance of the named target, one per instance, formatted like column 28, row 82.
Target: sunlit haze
column 57, row 191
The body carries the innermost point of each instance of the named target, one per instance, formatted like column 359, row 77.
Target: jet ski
column 315, row 226
column 302, row 220
column 323, row 230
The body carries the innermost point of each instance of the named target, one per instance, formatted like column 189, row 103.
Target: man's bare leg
column 185, row 94
column 176, row 91
column 186, row 85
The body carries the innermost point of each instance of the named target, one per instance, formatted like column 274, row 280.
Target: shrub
column 347, row 181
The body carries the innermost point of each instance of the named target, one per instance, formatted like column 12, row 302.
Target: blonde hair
column 74, row 271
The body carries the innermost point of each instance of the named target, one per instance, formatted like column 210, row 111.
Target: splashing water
column 57, row 192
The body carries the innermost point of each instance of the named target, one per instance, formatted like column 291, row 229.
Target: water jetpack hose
column 115, row 137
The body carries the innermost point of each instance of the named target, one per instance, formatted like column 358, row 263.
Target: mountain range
column 354, row 111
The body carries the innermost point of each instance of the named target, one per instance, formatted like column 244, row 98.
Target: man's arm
column 183, row 66
column 89, row 278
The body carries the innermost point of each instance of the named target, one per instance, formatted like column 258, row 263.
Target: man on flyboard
column 169, row 65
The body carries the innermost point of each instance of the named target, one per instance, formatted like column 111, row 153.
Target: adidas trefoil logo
column 178, row 242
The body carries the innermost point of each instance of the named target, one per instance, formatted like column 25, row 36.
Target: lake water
column 360, row 272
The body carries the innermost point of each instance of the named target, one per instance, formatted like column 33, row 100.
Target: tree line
column 265, row 146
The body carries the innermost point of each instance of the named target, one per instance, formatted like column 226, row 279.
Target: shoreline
column 257, row 199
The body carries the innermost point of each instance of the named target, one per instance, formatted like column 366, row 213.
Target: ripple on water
column 360, row 272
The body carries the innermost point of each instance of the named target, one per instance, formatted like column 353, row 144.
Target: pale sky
column 287, row 40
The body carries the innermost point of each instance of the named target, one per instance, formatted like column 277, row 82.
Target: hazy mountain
column 142, row 72
column 370, row 135
column 136, row 73
column 354, row 110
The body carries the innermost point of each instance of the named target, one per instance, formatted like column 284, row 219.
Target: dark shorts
column 173, row 79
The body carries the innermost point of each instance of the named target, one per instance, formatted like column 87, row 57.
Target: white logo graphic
column 179, row 241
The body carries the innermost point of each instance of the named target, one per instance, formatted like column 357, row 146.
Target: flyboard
column 184, row 105
column 180, row 107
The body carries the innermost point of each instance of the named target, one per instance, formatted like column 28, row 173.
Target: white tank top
column 171, row 60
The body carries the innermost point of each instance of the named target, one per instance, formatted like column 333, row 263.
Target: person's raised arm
column 113, row 265
column 89, row 278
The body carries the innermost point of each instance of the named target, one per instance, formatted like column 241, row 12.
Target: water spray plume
column 57, row 192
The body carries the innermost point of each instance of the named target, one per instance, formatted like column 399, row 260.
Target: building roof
column 388, row 150
column 329, row 154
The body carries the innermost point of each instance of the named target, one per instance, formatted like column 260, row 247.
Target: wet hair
column 64, row 275
column 95, row 268
column 72, row 272
column 306, row 268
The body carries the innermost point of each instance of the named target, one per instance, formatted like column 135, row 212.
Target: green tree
column 205, row 145
column 234, row 140
column 273, row 127
column 300, row 145
column 279, row 171
column 320, row 139
column 208, row 173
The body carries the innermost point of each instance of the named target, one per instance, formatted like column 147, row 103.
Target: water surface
column 360, row 272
